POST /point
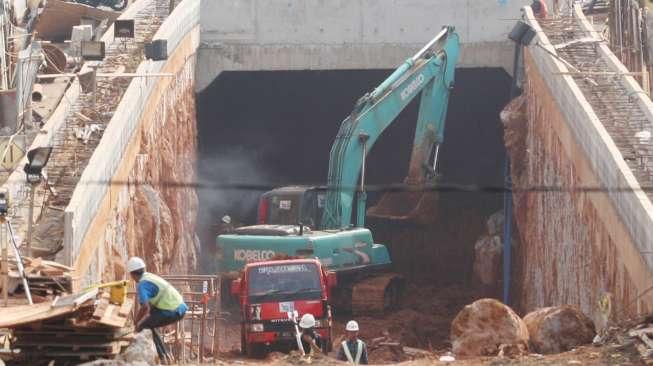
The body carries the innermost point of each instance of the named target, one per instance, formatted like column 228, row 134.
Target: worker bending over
column 311, row 340
column 161, row 304
column 353, row 350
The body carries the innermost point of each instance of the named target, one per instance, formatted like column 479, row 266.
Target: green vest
column 168, row 298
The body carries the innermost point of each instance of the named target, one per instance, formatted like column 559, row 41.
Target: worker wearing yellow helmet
column 161, row 304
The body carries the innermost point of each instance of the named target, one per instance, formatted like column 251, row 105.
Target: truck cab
column 267, row 291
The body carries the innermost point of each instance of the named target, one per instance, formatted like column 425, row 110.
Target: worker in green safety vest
column 161, row 304
column 353, row 350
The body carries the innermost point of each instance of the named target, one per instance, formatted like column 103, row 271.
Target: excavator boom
column 429, row 74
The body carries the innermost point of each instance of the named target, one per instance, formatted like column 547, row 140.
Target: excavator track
column 377, row 294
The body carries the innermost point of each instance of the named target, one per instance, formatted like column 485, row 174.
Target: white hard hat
column 352, row 326
column 226, row 219
column 307, row 321
column 134, row 264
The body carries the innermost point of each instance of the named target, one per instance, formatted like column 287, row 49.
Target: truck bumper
column 281, row 337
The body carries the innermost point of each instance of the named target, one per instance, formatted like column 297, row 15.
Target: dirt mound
column 558, row 329
column 482, row 327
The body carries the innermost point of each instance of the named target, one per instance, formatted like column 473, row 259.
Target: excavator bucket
column 415, row 206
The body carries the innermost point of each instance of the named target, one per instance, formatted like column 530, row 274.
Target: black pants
column 156, row 319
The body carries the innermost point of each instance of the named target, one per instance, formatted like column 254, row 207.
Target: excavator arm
column 429, row 73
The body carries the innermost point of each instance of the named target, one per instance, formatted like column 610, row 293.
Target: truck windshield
column 291, row 281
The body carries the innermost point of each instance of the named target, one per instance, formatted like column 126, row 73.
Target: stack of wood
column 644, row 334
column 45, row 279
column 71, row 329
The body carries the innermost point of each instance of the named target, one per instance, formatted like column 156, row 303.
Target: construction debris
column 68, row 330
column 395, row 350
column 45, row 279
column 58, row 18
column 558, row 329
column 141, row 349
column 485, row 327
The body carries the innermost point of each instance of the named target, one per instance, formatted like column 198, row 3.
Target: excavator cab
column 292, row 206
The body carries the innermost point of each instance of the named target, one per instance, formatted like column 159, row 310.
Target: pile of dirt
column 423, row 322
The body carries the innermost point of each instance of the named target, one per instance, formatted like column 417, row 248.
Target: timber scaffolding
column 616, row 106
column 75, row 142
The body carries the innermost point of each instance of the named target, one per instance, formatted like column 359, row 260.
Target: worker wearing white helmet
column 353, row 350
column 161, row 304
column 311, row 340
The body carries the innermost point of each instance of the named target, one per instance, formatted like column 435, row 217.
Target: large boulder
column 558, row 329
column 481, row 328
column 141, row 351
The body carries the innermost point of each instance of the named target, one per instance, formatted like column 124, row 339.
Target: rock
column 104, row 363
column 494, row 223
column 483, row 326
column 487, row 260
column 558, row 329
column 141, row 350
column 515, row 122
column 512, row 350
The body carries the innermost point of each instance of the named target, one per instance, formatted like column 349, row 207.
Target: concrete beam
column 253, row 35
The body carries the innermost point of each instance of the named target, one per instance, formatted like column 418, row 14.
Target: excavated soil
column 423, row 322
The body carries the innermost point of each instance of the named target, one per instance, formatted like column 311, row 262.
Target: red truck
column 268, row 291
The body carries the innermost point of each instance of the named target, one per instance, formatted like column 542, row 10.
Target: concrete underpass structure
column 253, row 35
column 575, row 247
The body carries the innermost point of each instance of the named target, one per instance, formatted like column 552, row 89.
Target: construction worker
column 311, row 340
column 161, row 304
column 226, row 227
column 540, row 9
column 353, row 350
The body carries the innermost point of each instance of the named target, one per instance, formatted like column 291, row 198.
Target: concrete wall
column 149, row 141
column 577, row 247
column 347, row 34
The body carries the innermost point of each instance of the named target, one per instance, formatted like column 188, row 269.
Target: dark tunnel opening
column 276, row 128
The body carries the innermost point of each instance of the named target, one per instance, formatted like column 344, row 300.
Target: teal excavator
column 309, row 221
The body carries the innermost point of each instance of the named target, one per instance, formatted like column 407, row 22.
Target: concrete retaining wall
column 16, row 183
column 578, row 247
column 94, row 200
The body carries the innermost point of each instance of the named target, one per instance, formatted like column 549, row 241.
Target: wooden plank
column 126, row 308
column 12, row 317
column 101, row 308
column 112, row 316
column 75, row 332
column 76, row 344
column 75, row 299
column 52, row 272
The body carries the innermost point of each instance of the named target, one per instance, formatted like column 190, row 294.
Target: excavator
column 316, row 221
